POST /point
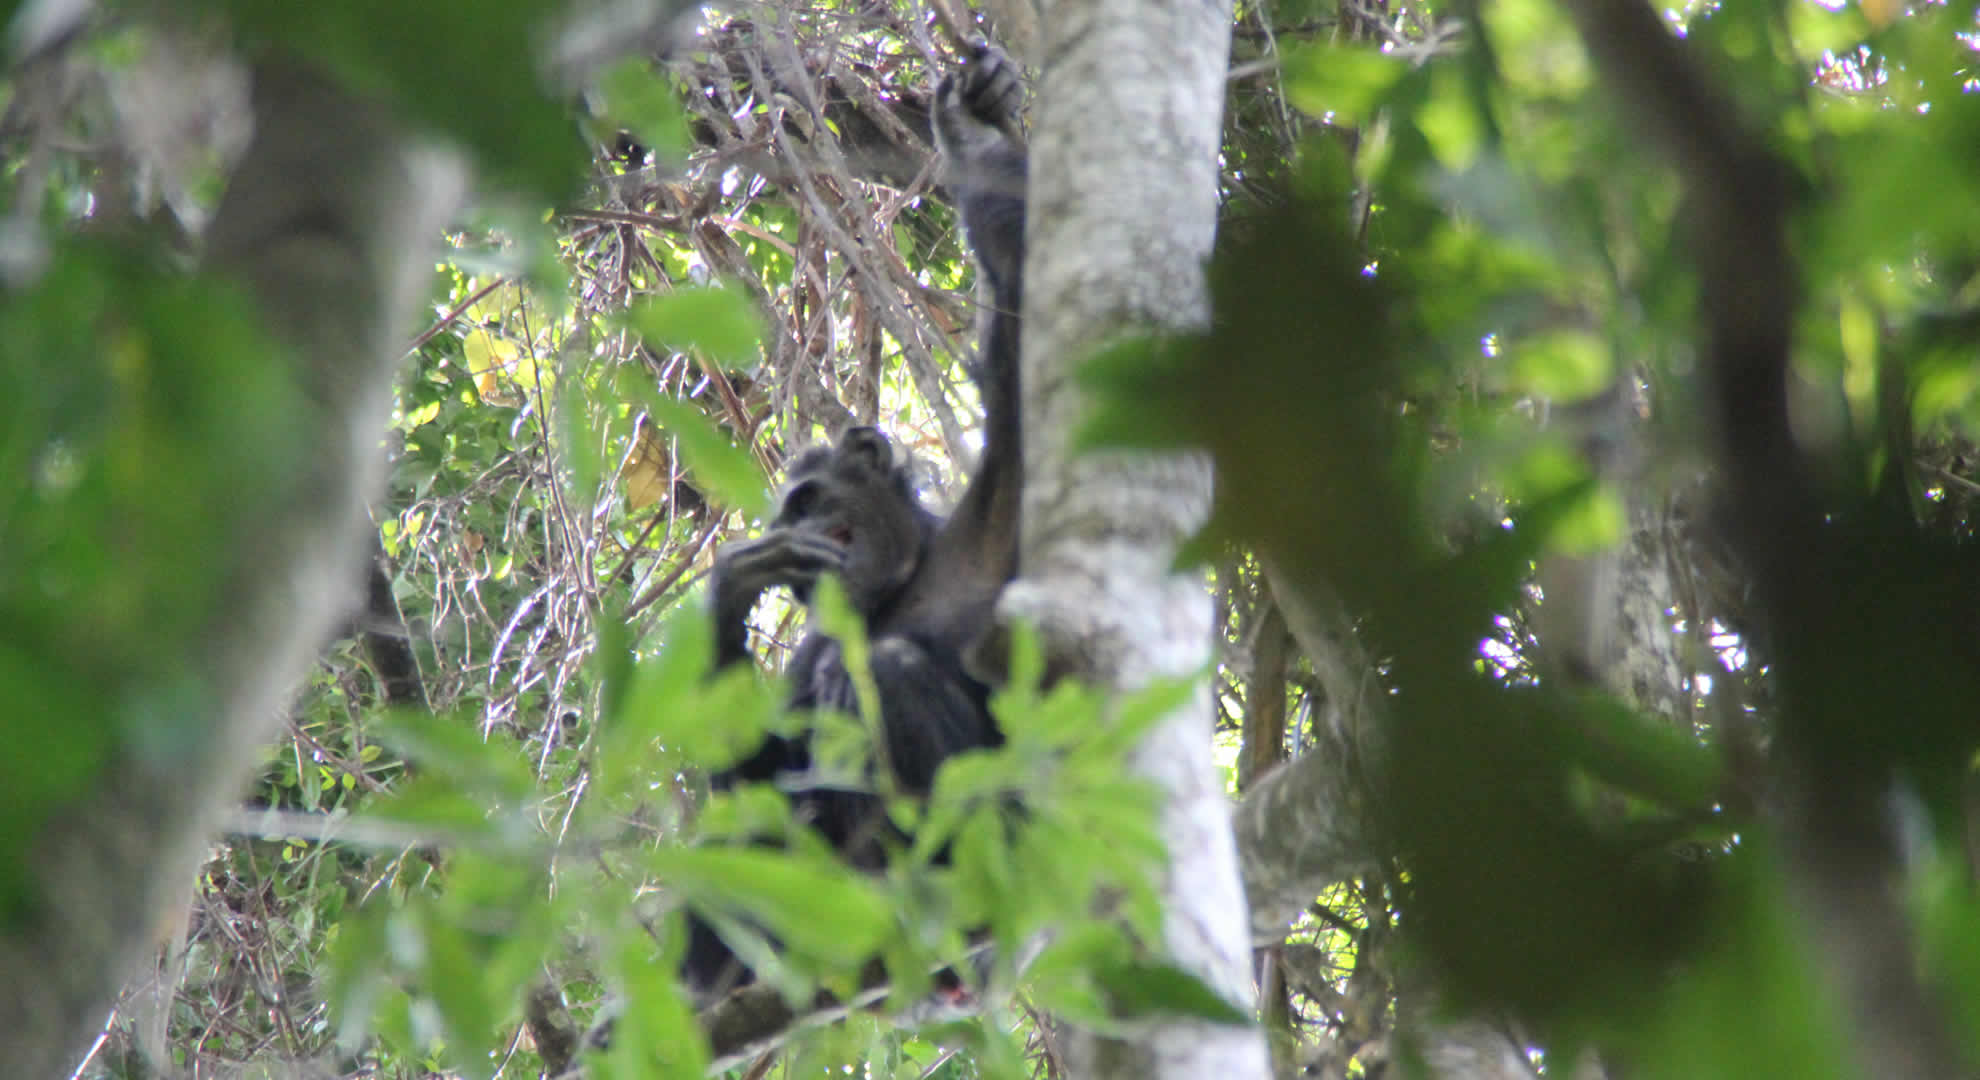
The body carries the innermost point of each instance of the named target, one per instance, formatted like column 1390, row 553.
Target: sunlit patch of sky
column 1851, row 70
column 1729, row 646
column 1500, row 657
column 1504, row 656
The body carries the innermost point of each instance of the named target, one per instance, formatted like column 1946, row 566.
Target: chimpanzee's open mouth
column 841, row 535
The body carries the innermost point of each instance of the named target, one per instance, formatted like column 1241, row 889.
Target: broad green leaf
column 1595, row 521
column 1136, row 991
column 1138, row 714
column 451, row 747
column 982, row 860
column 1545, row 469
column 1344, row 83
column 745, row 813
column 1451, row 123
column 666, row 700
column 640, row 99
column 580, row 437
column 833, row 615
column 1643, row 756
column 964, row 787
column 1858, row 331
column 656, row 1029
column 453, row 976
column 1752, row 1001
column 826, row 910
column 1564, row 365
column 478, row 87
column 728, row 473
column 720, row 323
column 356, row 980
column 1550, row 59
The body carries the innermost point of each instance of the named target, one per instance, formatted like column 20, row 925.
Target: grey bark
column 1604, row 618
column 1604, row 621
column 1310, row 825
column 1306, row 826
column 1606, row 615
column 326, row 222
column 1123, row 205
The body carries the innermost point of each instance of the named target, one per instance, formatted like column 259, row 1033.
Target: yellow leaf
column 494, row 308
column 646, row 472
column 490, row 359
column 1882, row 13
column 1858, row 331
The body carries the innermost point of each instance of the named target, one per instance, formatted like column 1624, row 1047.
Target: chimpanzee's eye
column 800, row 502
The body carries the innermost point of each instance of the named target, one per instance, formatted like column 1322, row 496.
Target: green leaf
column 965, row 784
column 1137, row 991
column 68, row 753
column 1061, row 976
column 1753, row 1001
column 1137, row 715
column 1643, row 756
column 579, row 435
column 640, row 99
column 356, row 978
column 1565, row 365
column 1451, row 122
column 1551, row 59
column 724, row 470
column 833, row 615
column 434, row 805
column 453, row 976
column 1594, row 520
column 817, row 907
column 656, row 1029
column 1544, row 471
column 450, row 747
column 982, row 861
column 720, row 323
column 1138, row 386
column 479, row 88
column 1346, row 83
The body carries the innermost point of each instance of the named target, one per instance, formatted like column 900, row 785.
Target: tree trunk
column 1604, row 619
column 1123, row 206
column 326, row 223
column 1306, row 827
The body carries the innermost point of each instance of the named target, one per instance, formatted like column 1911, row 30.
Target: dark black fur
column 926, row 587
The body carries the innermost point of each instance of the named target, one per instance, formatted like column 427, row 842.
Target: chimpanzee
column 925, row 586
